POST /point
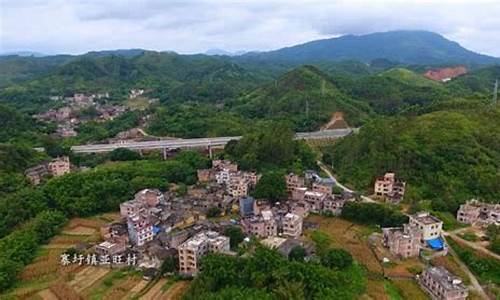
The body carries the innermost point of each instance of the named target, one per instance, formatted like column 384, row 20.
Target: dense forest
column 445, row 156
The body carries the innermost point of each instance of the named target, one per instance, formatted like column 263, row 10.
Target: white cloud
column 76, row 26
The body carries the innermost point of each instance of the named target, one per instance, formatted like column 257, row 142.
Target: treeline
column 373, row 214
column 266, row 274
column 19, row 247
column 97, row 190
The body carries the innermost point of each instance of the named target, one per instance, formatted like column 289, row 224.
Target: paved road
column 200, row 142
column 343, row 187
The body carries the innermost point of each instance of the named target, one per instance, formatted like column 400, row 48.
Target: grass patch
column 468, row 236
column 392, row 291
column 410, row 289
column 486, row 269
column 449, row 220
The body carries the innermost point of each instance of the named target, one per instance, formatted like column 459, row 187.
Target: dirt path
column 47, row 295
column 472, row 245
column 473, row 279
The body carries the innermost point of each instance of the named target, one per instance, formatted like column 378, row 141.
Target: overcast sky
column 194, row 26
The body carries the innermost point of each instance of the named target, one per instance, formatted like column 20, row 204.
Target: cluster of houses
column 390, row 188
column 55, row 167
column 479, row 213
column 423, row 231
column 67, row 117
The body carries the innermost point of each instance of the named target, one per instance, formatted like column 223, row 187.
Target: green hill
column 304, row 95
column 409, row 77
column 445, row 156
column 478, row 81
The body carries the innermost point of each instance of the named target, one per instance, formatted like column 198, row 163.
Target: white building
column 191, row 251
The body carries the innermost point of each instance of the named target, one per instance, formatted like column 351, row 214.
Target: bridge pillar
column 140, row 153
column 210, row 151
column 164, row 153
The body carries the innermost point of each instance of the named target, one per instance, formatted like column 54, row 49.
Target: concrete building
column 237, row 187
column 403, row 242
column 130, row 208
column 110, row 248
column 247, row 206
column 220, row 165
column 150, row 197
column 298, row 194
column 140, row 229
column 315, row 199
column 293, row 181
column 205, row 175
column 56, row 167
column 389, row 187
column 59, row 166
column 480, row 213
column 223, row 176
column 262, row 226
column 191, row 251
column 323, row 187
column 292, row 225
column 442, row 285
column 429, row 225
column 334, row 205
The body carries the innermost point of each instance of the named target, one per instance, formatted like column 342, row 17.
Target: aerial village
column 157, row 226
column 81, row 108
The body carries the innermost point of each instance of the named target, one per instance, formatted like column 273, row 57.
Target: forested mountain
column 408, row 47
column 479, row 81
column 447, row 156
column 304, row 95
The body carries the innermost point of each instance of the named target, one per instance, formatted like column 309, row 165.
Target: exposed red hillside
column 445, row 74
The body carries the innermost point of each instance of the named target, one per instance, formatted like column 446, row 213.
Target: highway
column 200, row 142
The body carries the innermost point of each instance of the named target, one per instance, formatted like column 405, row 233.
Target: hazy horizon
column 188, row 27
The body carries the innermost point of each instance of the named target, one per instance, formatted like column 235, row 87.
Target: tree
column 123, row 154
column 298, row 253
column 213, row 212
column 271, row 186
column 337, row 258
column 235, row 235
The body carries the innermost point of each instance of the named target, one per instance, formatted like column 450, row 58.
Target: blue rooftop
column 156, row 230
column 436, row 244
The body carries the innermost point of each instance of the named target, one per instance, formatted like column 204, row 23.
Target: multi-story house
column 315, row 199
column 429, row 225
column 224, row 165
column 298, row 193
column 262, row 226
column 110, row 248
column 131, row 207
column 237, row 187
column 293, row 181
column 403, row 242
column 56, row 167
column 322, row 187
column 150, row 197
column 334, row 205
column 389, row 187
column 192, row 250
column 59, row 166
column 247, row 206
column 140, row 229
column 251, row 178
column 442, row 285
column 205, row 175
column 223, row 176
column 292, row 225
column 476, row 212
